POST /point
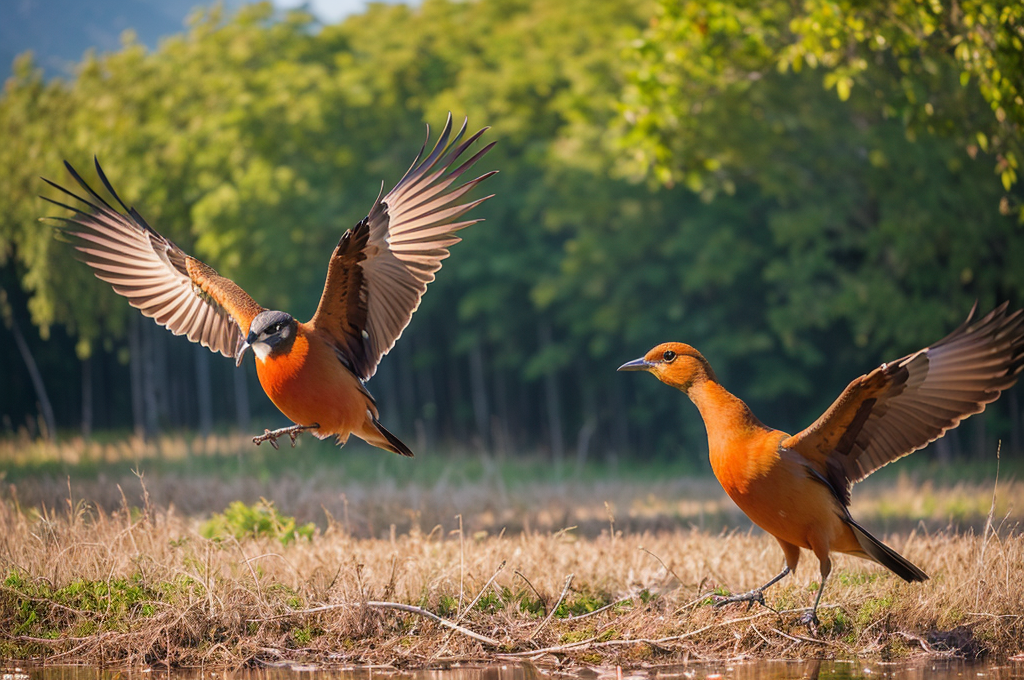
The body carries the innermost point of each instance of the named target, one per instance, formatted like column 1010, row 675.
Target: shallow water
column 748, row 670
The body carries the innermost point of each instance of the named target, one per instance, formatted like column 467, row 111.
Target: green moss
column 855, row 578
column 490, row 603
column 835, row 621
column 583, row 603
column 80, row 608
column 873, row 609
column 578, row 635
column 305, row 634
column 447, row 605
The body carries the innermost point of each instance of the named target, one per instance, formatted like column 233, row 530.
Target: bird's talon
column 810, row 619
column 293, row 433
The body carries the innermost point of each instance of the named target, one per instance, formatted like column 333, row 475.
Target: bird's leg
column 751, row 596
column 272, row 435
column 810, row 617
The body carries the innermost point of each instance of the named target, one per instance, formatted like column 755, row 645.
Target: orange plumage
column 310, row 386
column 797, row 488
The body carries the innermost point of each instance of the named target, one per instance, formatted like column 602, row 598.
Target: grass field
column 414, row 563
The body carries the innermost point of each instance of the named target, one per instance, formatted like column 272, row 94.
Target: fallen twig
column 411, row 609
column 595, row 642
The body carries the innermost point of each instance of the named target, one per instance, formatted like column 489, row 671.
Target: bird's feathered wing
column 159, row 279
column 381, row 267
column 904, row 405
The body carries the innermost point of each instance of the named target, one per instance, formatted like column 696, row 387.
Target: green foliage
column 259, row 520
column 447, row 605
column 305, row 634
column 582, row 603
column 490, row 602
column 855, row 579
column 819, row 194
column 39, row 609
column 913, row 60
column 874, row 609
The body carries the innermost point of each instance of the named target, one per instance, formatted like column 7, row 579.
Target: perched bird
column 314, row 372
column 797, row 488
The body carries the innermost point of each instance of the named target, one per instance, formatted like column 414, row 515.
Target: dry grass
column 372, row 495
column 517, row 565
column 143, row 587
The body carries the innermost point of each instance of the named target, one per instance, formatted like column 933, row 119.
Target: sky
column 328, row 11
column 59, row 32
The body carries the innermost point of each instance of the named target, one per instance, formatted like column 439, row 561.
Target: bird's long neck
column 735, row 435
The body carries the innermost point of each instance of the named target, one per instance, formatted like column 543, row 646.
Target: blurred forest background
column 800, row 190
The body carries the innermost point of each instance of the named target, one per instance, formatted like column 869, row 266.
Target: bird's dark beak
column 240, row 354
column 640, row 364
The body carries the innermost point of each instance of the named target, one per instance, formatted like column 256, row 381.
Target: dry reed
column 142, row 587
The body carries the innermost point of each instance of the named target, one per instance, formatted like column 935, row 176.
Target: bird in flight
column 315, row 371
column 797, row 488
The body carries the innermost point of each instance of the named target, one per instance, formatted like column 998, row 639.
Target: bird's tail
column 388, row 441
column 886, row 556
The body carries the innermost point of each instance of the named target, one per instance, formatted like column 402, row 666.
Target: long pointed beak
column 640, row 364
column 240, row 354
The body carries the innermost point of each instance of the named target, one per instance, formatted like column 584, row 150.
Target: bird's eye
column 669, row 356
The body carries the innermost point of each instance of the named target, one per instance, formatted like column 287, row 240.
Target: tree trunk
column 554, row 407
column 454, row 401
column 87, row 399
column 979, row 436
column 242, row 413
column 135, row 364
column 502, row 435
column 1013, row 406
column 46, row 410
column 481, row 409
column 620, row 423
column 589, row 426
column 387, row 380
column 149, row 382
column 405, row 385
column 427, row 405
column 204, row 390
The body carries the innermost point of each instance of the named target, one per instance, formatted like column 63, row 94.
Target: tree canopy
column 800, row 191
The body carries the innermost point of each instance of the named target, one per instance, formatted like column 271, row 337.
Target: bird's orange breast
column 779, row 495
column 310, row 385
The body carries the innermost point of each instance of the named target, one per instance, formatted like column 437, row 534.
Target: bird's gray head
column 270, row 333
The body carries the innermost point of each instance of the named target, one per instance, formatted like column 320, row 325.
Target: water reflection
column 754, row 670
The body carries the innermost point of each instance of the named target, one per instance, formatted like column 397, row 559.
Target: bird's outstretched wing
column 904, row 405
column 158, row 278
column 381, row 267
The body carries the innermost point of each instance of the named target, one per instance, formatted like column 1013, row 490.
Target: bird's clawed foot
column 750, row 597
column 293, row 432
column 810, row 619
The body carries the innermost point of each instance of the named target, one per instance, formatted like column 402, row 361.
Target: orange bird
column 314, row 372
column 797, row 488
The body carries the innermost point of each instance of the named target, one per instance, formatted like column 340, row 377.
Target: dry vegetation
column 127, row 578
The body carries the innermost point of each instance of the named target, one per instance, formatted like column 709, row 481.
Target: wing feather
column 174, row 289
column 381, row 267
column 904, row 405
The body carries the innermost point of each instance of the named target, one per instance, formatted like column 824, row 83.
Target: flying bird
column 797, row 488
column 313, row 371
